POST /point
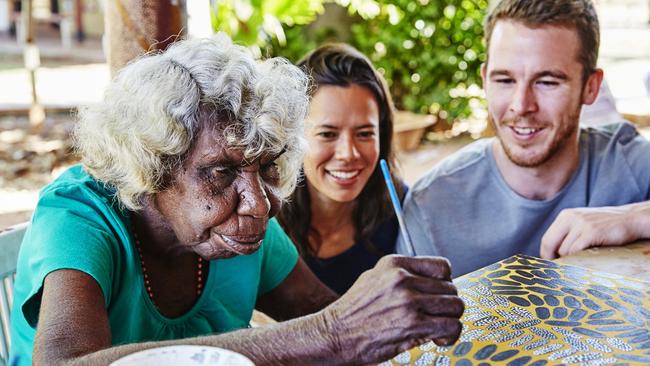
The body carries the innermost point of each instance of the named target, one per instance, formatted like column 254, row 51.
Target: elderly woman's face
column 219, row 204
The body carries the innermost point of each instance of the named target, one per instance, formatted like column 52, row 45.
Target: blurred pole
column 5, row 15
column 65, row 25
column 134, row 27
column 78, row 20
column 32, row 62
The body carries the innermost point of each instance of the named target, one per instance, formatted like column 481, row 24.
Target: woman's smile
column 344, row 177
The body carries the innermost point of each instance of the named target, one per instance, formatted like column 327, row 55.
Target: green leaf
column 257, row 21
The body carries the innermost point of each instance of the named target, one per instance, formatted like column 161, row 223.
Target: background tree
column 257, row 22
column 429, row 51
column 134, row 27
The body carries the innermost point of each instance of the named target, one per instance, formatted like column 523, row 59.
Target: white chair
column 10, row 240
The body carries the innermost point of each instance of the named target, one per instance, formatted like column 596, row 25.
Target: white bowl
column 184, row 355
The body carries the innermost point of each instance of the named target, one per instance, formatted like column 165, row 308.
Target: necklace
column 145, row 275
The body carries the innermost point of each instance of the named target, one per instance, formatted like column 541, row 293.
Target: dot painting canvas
column 529, row 311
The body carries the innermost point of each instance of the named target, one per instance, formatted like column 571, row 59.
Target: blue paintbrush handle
column 396, row 206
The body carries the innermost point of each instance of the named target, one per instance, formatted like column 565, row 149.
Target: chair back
column 10, row 240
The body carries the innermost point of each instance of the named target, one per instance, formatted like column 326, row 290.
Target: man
column 544, row 186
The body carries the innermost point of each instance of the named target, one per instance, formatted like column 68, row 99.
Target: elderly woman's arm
column 301, row 293
column 73, row 329
column 399, row 304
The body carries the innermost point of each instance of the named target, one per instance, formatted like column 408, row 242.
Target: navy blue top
column 340, row 272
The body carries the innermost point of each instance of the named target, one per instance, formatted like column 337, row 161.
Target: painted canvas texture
column 529, row 311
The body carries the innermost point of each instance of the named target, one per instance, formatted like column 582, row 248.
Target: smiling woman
column 164, row 235
column 341, row 218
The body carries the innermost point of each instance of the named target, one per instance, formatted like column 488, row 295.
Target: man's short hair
column 578, row 14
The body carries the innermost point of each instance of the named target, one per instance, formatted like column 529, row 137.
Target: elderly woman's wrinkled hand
column 399, row 304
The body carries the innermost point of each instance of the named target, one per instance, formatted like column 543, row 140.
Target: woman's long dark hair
column 342, row 65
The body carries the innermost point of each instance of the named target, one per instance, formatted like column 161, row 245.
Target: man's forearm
column 579, row 228
column 302, row 341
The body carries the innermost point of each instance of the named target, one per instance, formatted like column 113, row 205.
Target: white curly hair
column 135, row 138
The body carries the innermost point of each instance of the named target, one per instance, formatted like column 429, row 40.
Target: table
column 632, row 260
column 529, row 311
column 493, row 309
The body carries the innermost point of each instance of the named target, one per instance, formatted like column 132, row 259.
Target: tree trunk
column 134, row 27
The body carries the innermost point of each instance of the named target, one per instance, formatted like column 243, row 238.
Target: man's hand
column 399, row 304
column 579, row 228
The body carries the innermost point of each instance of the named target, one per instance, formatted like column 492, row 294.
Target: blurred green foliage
column 256, row 22
column 429, row 51
column 299, row 41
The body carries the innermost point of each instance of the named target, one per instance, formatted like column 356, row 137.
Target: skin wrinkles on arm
column 73, row 329
column 300, row 293
column 577, row 229
column 397, row 305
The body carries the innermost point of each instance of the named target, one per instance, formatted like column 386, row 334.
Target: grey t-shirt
column 464, row 210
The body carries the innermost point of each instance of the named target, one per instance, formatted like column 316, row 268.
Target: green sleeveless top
column 78, row 225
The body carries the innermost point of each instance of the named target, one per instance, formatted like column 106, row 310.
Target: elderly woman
column 164, row 234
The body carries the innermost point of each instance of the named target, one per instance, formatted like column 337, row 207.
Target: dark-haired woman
column 341, row 217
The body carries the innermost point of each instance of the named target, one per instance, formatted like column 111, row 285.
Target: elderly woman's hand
column 399, row 304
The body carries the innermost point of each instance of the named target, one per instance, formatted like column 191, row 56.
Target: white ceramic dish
column 184, row 355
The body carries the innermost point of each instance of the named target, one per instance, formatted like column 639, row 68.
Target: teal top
column 78, row 225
